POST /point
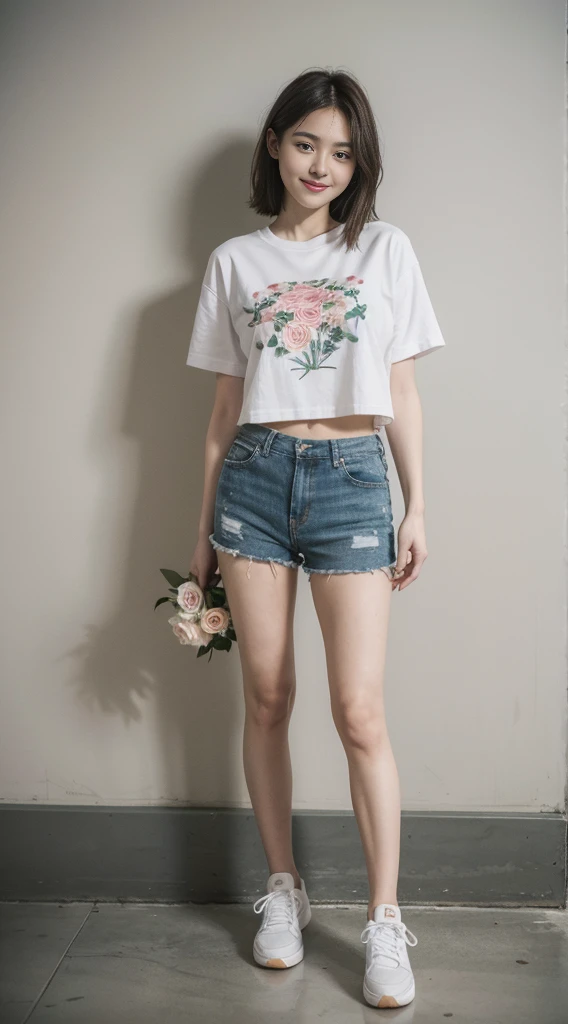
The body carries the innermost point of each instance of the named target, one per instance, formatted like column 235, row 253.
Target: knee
column 360, row 725
column 269, row 707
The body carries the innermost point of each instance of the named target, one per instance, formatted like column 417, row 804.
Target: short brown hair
column 315, row 90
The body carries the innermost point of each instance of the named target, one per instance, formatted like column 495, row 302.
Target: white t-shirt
column 312, row 328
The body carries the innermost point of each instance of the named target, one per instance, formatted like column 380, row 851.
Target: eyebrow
column 311, row 135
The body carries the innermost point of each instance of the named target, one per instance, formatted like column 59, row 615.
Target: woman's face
column 317, row 149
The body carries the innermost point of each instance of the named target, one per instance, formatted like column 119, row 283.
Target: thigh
column 262, row 608
column 353, row 610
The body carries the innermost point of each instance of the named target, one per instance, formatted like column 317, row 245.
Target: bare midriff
column 338, row 426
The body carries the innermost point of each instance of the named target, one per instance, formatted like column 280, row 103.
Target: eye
column 340, row 152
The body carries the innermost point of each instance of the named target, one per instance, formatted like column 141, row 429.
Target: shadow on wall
column 134, row 659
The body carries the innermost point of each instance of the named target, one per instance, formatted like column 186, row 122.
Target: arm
column 220, row 434
column 405, row 441
column 405, row 434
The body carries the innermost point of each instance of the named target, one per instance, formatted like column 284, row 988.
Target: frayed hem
column 388, row 570
column 252, row 558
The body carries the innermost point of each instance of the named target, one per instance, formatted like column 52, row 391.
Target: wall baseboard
column 214, row 854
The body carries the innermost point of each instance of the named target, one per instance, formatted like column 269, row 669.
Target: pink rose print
column 296, row 336
column 310, row 319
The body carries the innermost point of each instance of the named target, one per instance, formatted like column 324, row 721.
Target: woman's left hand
column 412, row 551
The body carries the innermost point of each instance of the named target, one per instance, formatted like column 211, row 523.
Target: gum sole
column 278, row 961
column 385, row 1001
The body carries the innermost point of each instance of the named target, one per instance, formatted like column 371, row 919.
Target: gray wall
column 127, row 133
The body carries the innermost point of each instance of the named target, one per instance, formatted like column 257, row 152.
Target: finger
column 403, row 571
column 397, row 583
column 400, row 566
column 409, row 579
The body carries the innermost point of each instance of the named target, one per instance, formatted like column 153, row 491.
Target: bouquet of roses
column 203, row 618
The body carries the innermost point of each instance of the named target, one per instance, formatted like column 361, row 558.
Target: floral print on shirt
column 308, row 320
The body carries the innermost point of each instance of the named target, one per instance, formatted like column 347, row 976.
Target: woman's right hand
column 204, row 563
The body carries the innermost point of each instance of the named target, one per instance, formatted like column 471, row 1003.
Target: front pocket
column 241, row 452
column 365, row 470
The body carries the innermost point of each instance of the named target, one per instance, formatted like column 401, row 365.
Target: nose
column 319, row 170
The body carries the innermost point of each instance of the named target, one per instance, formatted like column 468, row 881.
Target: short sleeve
column 214, row 342
column 416, row 329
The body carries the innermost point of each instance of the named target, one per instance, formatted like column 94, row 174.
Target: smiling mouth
column 315, row 185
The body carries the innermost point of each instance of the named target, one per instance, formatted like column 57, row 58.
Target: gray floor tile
column 136, row 964
column 33, row 939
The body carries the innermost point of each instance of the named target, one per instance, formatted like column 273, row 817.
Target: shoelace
column 279, row 910
column 385, row 937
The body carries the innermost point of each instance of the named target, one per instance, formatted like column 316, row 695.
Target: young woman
column 312, row 324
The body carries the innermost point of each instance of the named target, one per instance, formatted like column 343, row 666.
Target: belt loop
column 268, row 440
column 334, row 451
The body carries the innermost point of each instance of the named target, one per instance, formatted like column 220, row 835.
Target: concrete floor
column 82, row 963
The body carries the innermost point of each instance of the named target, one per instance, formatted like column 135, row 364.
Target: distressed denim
column 321, row 504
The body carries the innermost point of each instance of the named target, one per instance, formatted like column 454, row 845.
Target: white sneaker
column 278, row 942
column 388, row 980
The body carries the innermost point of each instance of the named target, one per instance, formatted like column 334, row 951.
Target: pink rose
column 189, row 632
column 300, row 296
column 280, row 306
column 308, row 295
column 214, row 620
column 296, row 336
column 190, row 597
column 305, row 302
column 309, row 314
column 336, row 315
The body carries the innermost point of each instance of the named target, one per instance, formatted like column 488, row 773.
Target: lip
column 314, row 186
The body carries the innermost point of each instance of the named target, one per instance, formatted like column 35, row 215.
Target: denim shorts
column 323, row 504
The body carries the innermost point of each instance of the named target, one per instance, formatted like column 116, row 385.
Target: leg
column 262, row 599
column 355, row 648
